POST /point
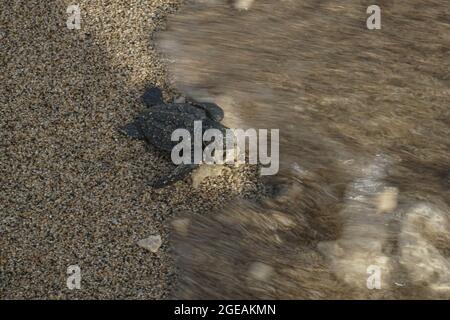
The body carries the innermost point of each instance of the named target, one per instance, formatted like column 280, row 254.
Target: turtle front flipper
column 212, row 110
column 132, row 130
column 180, row 172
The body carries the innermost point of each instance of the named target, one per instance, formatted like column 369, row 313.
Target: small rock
column 151, row 243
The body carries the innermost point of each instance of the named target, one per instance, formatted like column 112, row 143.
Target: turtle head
column 152, row 97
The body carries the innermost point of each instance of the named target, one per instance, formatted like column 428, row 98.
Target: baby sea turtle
column 159, row 120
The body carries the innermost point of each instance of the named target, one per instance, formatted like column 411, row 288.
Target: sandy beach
column 74, row 190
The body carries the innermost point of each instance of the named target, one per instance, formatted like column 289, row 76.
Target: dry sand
column 73, row 188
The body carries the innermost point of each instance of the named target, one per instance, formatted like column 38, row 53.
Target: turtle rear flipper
column 133, row 131
column 180, row 172
column 152, row 97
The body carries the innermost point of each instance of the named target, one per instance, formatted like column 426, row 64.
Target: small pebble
column 151, row 243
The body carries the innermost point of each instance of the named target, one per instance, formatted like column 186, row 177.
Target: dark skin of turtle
column 156, row 124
